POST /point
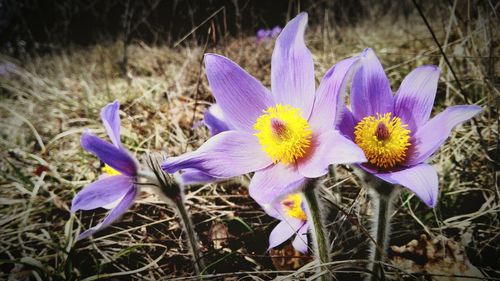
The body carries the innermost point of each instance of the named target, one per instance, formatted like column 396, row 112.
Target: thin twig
column 462, row 92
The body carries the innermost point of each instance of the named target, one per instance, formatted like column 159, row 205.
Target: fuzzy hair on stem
column 318, row 231
column 381, row 194
column 172, row 193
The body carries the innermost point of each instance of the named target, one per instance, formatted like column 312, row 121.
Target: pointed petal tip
column 476, row 109
column 432, row 203
column 421, row 179
column 303, row 16
column 115, row 103
column 367, row 52
column 84, row 138
column 430, row 67
column 209, row 58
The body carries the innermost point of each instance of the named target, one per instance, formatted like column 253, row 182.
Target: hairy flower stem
column 382, row 194
column 320, row 240
column 172, row 194
column 191, row 234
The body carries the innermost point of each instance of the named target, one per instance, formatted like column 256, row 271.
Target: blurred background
column 47, row 26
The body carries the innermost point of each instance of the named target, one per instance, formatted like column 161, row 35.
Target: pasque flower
column 395, row 132
column 292, row 213
column 263, row 34
column 290, row 210
column 115, row 190
column 284, row 135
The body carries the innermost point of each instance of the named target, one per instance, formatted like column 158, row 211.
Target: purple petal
column 432, row 134
column 275, row 209
column 113, row 215
column 193, row 176
column 415, row 97
column 329, row 148
column 421, row 179
column 347, row 123
column 283, row 231
column 371, row 92
column 102, row 192
column 300, row 241
column 118, row 158
column 110, row 115
column 329, row 100
column 240, row 96
column 274, row 182
column 214, row 120
column 225, row 155
column 292, row 68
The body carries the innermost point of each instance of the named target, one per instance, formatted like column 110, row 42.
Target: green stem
column 321, row 246
column 199, row 265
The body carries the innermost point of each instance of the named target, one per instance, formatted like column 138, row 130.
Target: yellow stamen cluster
column 110, row 171
column 292, row 205
column 383, row 139
column 283, row 133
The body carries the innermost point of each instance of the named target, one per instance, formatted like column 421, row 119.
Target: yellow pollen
column 110, row 171
column 283, row 133
column 383, row 139
column 292, row 205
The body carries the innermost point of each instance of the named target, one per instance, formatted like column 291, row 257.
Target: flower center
column 283, row 133
column 292, row 205
column 110, row 171
column 383, row 139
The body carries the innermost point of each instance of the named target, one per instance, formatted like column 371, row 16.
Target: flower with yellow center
column 283, row 136
column 292, row 205
column 398, row 144
column 383, row 139
column 116, row 192
column 291, row 212
column 283, row 133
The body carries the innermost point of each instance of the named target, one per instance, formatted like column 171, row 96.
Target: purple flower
column 115, row 190
column 275, row 31
column 285, row 135
column 263, row 34
column 293, row 221
column 395, row 132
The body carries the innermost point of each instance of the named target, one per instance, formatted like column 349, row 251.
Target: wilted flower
column 395, row 132
column 291, row 211
column 284, row 136
column 116, row 189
